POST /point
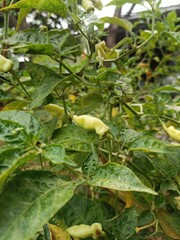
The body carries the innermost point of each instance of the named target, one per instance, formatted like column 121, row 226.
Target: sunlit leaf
column 117, row 177
column 120, row 22
column 54, row 6
column 119, row 3
column 149, row 144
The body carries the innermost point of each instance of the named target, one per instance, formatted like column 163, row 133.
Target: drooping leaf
column 54, row 6
column 58, row 233
column 169, row 223
column 120, row 22
column 125, row 225
column 10, row 159
column 117, row 177
column 29, row 201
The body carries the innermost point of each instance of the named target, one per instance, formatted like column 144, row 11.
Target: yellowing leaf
column 58, row 233
column 168, row 224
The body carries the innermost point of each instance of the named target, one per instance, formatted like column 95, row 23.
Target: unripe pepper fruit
column 5, row 64
column 172, row 132
column 91, row 123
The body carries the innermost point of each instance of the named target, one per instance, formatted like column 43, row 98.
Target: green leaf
column 29, row 201
column 174, row 35
column 44, row 48
column 55, row 153
column 13, row 133
column 5, row 96
column 38, row 72
column 28, row 36
column 75, row 138
column 11, row 159
column 76, row 158
column 80, row 210
column 21, row 16
column 47, row 85
column 90, row 102
column 119, row 3
column 117, row 177
column 149, row 144
column 164, row 166
column 54, row 6
column 120, row 22
column 167, row 89
column 62, row 38
column 90, row 164
column 30, row 123
column 125, row 225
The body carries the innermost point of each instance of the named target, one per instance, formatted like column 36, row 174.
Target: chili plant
column 84, row 150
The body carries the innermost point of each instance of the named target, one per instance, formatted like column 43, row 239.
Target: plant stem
column 153, row 6
column 6, row 27
column 71, row 170
column 130, row 51
column 20, row 83
column 6, row 24
column 65, row 109
column 64, row 106
column 133, row 111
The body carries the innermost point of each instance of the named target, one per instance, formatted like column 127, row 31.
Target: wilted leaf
column 58, row 233
column 169, row 223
